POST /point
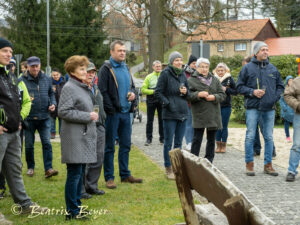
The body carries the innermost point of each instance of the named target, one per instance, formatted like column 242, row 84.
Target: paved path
column 138, row 82
column 276, row 198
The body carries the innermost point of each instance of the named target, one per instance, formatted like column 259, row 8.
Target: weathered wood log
column 235, row 211
column 184, row 188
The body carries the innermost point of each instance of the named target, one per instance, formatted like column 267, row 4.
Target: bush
column 286, row 65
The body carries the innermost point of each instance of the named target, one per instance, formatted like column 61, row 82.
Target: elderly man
column 261, row 84
column 153, row 104
column 117, row 89
column 10, row 142
column 43, row 100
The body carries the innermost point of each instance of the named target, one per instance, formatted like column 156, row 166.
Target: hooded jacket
column 255, row 75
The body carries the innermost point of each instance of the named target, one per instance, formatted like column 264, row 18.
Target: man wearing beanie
column 153, row 104
column 261, row 84
column 10, row 143
column 189, row 68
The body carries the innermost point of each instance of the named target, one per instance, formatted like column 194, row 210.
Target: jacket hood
column 260, row 63
column 287, row 79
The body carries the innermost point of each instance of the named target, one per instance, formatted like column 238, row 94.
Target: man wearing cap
column 153, row 104
column 43, row 100
column 261, row 84
column 10, row 143
column 93, row 170
column 117, row 89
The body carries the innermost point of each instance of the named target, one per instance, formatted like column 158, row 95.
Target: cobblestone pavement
column 275, row 197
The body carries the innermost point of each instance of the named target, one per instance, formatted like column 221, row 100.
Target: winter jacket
column 287, row 113
column 255, row 75
column 41, row 87
column 167, row 91
column 292, row 95
column 57, row 86
column 78, row 133
column 98, row 100
column 149, row 86
column 10, row 106
column 227, row 81
column 108, row 86
column 206, row 114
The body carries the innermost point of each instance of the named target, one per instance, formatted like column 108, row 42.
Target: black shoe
column 148, row 142
column 95, row 192
column 255, row 153
column 85, row 196
column 161, row 141
column 290, row 177
column 80, row 216
column 274, row 154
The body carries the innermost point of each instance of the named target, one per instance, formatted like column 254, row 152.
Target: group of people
column 94, row 111
column 190, row 99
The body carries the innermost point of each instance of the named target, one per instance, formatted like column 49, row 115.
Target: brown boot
column 250, row 169
column 223, row 147
column 132, row 180
column 268, row 169
column 218, row 149
column 169, row 173
column 110, row 184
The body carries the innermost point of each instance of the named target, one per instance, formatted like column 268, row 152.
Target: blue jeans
column 189, row 130
column 295, row 150
column 222, row 134
column 53, row 125
column 252, row 119
column 43, row 127
column 287, row 128
column 73, row 187
column 173, row 130
column 119, row 125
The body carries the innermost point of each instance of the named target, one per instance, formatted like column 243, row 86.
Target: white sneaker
column 188, row 147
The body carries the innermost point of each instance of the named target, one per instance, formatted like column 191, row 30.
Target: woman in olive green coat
column 206, row 93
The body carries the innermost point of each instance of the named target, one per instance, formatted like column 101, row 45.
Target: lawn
column 155, row 201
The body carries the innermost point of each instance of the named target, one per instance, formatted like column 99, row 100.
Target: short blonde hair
column 75, row 61
column 222, row 65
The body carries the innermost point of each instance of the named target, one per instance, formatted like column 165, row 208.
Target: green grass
column 155, row 201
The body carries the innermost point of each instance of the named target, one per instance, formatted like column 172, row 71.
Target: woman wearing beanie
column 189, row 69
column 206, row 94
column 228, row 86
column 172, row 91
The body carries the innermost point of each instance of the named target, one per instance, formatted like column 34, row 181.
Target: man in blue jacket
column 117, row 89
column 43, row 100
column 261, row 84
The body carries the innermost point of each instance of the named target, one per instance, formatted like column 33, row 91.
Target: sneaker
column 4, row 221
column 288, row 139
column 169, row 173
column 188, row 147
column 33, row 207
column 268, row 169
column 132, row 180
column 290, row 177
column 30, row 172
column 148, row 142
column 85, row 196
column 110, row 184
column 250, row 169
column 51, row 172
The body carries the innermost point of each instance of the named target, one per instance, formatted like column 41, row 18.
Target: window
column 220, row 47
column 240, row 47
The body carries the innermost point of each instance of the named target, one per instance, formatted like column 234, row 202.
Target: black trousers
column 210, row 145
column 151, row 107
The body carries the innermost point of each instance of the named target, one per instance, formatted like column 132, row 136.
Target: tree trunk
column 156, row 32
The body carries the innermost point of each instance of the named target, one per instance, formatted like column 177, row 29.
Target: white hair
column 202, row 60
column 155, row 62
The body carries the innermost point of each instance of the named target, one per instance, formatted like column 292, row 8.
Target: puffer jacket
column 255, row 75
column 167, row 91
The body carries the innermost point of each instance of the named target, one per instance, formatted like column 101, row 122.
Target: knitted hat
column 173, row 56
column 258, row 46
column 192, row 59
column 12, row 61
column 5, row 43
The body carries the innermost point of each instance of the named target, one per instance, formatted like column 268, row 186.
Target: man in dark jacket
column 261, row 84
column 117, row 89
column 43, row 100
column 10, row 125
